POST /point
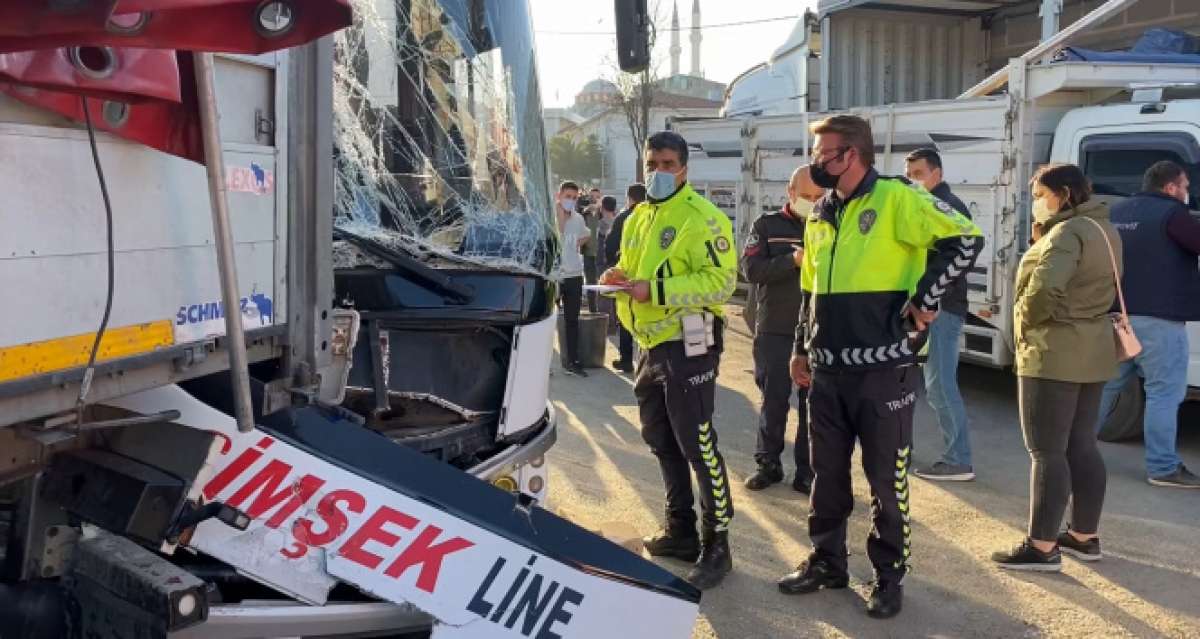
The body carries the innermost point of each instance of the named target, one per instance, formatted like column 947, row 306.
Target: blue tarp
column 1166, row 41
column 1156, row 46
column 1076, row 54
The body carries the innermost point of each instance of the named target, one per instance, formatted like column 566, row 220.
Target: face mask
column 660, row 185
column 822, row 177
column 801, row 207
column 1042, row 211
column 568, row 205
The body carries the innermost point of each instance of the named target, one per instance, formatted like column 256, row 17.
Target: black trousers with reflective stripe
column 675, row 396
column 876, row 408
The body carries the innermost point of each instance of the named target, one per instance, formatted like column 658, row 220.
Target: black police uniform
column 768, row 263
column 886, row 246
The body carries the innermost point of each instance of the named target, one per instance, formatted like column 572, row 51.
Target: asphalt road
column 1148, row 584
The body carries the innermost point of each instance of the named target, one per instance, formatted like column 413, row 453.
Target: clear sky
column 567, row 60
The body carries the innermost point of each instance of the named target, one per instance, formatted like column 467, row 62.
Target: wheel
column 1124, row 421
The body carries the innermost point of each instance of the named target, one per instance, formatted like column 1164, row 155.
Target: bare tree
column 637, row 94
column 637, row 97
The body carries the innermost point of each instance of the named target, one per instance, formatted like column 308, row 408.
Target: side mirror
column 633, row 35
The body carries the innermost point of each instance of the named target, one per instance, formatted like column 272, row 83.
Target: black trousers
column 590, row 273
column 675, row 396
column 771, row 356
column 624, row 343
column 1058, row 420
column 571, row 291
column 876, row 408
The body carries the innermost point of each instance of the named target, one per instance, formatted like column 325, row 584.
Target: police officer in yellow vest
column 679, row 265
column 869, row 296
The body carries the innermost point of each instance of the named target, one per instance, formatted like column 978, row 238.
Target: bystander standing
column 591, row 251
column 1064, row 353
column 771, row 262
column 924, row 166
column 634, row 195
column 1162, row 291
column 608, row 213
column 574, row 234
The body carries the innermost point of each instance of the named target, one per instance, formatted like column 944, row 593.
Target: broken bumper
column 253, row 620
column 517, row 455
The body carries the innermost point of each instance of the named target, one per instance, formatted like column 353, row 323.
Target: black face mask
column 822, row 177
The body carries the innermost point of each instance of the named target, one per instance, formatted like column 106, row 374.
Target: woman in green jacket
column 1065, row 353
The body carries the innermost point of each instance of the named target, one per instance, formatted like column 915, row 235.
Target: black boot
column 680, row 542
column 812, row 575
column 802, row 483
column 766, row 475
column 887, row 597
column 715, row 561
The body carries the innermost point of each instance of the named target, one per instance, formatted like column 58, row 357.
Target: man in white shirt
column 574, row 233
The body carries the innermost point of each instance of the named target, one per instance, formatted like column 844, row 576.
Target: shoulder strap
column 1112, row 256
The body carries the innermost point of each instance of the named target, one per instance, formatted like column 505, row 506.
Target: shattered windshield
column 440, row 149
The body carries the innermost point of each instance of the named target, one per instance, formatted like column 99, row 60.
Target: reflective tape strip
column 39, row 358
column 660, row 284
column 966, row 249
column 859, row 356
column 903, row 458
column 716, row 470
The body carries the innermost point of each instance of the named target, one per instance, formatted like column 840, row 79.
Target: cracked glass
column 439, row 142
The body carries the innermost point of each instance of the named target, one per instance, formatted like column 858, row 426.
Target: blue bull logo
column 260, row 176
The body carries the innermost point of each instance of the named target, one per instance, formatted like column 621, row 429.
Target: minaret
column 696, row 39
column 676, row 50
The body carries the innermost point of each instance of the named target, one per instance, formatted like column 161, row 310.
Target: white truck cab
column 1115, row 144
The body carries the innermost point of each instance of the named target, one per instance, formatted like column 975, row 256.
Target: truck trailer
column 316, row 240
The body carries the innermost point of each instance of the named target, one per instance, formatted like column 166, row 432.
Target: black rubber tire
column 1124, row 421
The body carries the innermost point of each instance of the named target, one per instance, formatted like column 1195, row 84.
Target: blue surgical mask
column 660, row 185
column 568, row 205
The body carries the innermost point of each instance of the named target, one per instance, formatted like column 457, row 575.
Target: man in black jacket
column 634, row 195
column 1162, row 291
column 771, row 261
column 924, row 166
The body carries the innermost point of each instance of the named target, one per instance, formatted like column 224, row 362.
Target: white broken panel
column 314, row 523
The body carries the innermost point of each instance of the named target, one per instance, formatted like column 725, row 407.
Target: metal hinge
column 194, row 354
column 264, row 127
column 345, row 326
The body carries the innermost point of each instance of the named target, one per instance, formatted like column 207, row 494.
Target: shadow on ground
column 1145, row 587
